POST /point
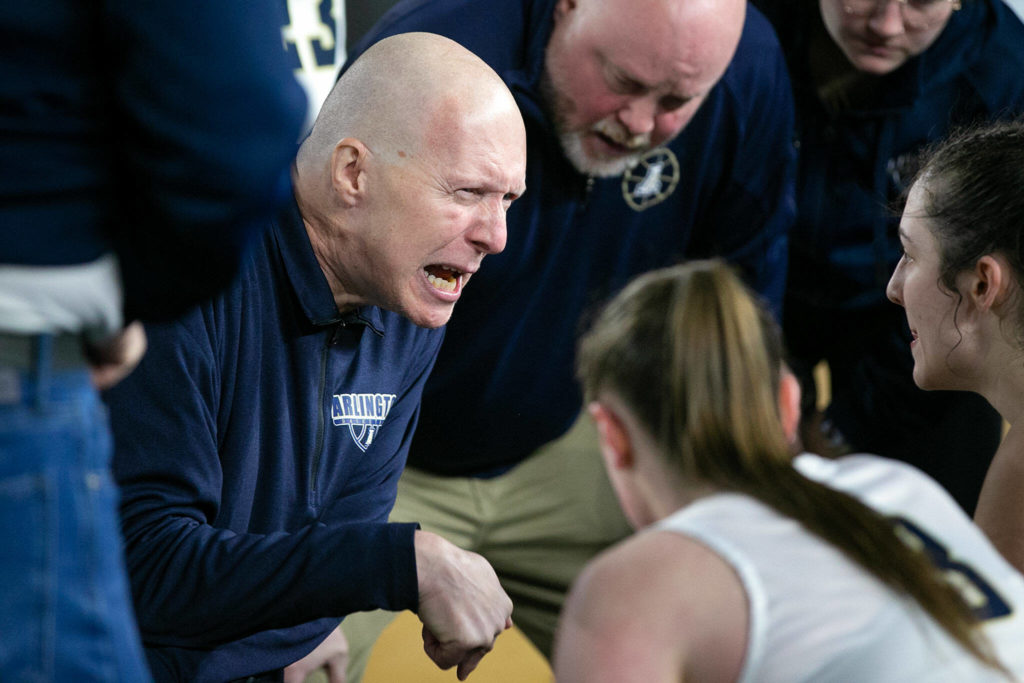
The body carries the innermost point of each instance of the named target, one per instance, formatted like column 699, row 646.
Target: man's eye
column 672, row 102
column 626, row 86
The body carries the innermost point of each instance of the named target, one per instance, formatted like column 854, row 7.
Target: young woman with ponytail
column 753, row 565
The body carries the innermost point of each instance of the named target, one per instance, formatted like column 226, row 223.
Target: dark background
column 360, row 16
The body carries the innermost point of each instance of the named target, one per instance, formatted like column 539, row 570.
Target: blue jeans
column 65, row 609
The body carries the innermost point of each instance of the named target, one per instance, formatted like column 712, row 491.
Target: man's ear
column 789, row 404
column 612, row 435
column 989, row 282
column 348, row 176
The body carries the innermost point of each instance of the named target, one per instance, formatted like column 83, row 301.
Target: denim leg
column 65, row 610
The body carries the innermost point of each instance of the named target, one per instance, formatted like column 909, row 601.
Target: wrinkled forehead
column 479, row 130
column 482, row 116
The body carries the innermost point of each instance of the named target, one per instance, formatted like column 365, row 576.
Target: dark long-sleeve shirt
column 162, row 132
column 259, row 445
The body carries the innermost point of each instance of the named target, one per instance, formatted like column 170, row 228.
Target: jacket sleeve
column 758, row 206
column 196, row 584
column 206, row 115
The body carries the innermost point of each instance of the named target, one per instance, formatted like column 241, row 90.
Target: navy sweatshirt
column 161, row 131
column 259, row 445
column 504, row 383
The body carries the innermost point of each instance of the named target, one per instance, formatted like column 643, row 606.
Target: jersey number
column 985, row 602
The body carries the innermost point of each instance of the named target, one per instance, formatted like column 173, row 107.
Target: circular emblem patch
column 652, row 180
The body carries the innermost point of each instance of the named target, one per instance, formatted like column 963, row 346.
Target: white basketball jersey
column 817, row 616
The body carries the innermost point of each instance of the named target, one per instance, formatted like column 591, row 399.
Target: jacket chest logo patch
column 363, row 414
column 652, row 180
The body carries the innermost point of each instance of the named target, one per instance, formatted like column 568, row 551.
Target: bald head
column 404, row 181
column 389, row 95
column 694, row 30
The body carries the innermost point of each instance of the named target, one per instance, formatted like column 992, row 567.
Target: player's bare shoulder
column 650, row 601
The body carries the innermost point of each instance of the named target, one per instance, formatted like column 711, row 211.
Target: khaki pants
column 537, row 525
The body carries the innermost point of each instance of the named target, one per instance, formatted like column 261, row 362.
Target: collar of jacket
column 312, row 292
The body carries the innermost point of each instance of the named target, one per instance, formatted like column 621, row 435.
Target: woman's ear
column 612, row 435
column 989, row 282
column 789, row 403
column 348, row 176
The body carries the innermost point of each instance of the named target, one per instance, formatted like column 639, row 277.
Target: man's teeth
column 621, row 137
column 444, row 284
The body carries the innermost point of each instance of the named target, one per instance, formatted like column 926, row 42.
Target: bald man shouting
column 259, row 443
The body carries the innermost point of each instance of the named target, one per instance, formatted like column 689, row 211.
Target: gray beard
column 572, row 141
column 572, row 147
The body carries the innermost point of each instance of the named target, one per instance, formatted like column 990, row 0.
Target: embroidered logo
column 363, row 414
column 652, row 180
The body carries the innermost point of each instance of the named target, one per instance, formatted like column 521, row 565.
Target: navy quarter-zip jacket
column 258, row 448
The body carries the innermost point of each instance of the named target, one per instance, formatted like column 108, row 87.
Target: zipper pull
column 588, row 191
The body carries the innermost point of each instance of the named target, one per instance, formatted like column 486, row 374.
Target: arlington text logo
column 362, row 413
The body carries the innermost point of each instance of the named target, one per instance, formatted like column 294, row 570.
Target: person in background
column 657, row 130
column 750, row 564
column 874, row 82
column 260, row 441
column 142, row 148
column 960, row 281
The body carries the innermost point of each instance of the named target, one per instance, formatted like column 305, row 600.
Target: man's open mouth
column 445, row 278
column 617, row 137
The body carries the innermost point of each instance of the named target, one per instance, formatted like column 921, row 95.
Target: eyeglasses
column 917, row 14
